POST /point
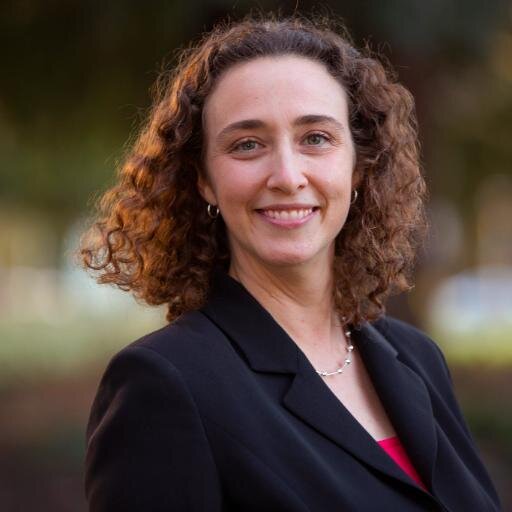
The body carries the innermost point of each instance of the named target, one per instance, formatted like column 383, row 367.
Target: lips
column 287, row 214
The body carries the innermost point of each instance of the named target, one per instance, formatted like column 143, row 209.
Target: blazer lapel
column 311, row 399
column 268, row 348
column 404, row 396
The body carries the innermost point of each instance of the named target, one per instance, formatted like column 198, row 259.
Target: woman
column 273, row 201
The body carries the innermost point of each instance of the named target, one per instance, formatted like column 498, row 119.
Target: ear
column 357, row 176
column 357, row 179
column 206, row 190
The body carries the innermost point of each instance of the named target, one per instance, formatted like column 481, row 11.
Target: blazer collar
column 264, row 342
column 268, row 348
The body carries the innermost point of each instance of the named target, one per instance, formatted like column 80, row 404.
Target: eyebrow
column 252, row 124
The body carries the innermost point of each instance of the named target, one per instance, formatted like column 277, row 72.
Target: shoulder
column 392, row 326
column 190, row 339
column 145, row 426
column 415, row 347
column 406, row 337
column 158, row 364
column 424, row 356
column 191, row 350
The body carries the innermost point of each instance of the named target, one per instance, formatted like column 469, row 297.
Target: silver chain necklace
column 347, row 361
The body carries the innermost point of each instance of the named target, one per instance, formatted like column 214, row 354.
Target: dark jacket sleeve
column 146, row 446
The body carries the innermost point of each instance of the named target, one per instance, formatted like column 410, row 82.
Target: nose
column 287, row 172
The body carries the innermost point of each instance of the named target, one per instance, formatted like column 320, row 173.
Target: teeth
column 288, row 214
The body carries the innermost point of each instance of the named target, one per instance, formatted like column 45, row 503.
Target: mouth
column 288, row 214
column 288, row 217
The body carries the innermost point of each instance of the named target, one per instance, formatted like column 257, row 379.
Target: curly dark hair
column 153, row 236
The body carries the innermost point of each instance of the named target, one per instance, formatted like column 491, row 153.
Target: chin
column 284, row 258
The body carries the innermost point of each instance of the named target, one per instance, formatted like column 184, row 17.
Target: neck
column 298, row 297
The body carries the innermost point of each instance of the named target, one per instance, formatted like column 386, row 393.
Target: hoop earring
column 354, row 199
column 213, row 214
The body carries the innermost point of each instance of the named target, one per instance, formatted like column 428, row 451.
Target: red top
column 394, row 448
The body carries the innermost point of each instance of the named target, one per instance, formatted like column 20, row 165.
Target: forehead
column 274, row 87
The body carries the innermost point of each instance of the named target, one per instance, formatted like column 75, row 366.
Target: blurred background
column 74, row 84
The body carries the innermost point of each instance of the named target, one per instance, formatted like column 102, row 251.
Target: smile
column 289, row 218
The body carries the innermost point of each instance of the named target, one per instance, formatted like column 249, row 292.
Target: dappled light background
column 74, row 85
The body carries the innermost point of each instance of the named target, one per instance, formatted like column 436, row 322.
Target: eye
column 245, row 145
column 318, row 137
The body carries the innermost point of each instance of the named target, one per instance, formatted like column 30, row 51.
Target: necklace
column 347, row 361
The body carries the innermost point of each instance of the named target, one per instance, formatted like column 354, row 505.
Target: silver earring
column 212, row 213
column 354, row 199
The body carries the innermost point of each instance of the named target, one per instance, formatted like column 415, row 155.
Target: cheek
column 337, row 189
column 337, row 185
column 340, row 168
column 236, row 186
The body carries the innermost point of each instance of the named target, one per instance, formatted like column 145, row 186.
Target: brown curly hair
column 153, row 235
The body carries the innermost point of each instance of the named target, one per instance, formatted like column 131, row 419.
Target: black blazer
column 221, row 411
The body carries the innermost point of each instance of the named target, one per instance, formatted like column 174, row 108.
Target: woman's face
column 279, row 160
